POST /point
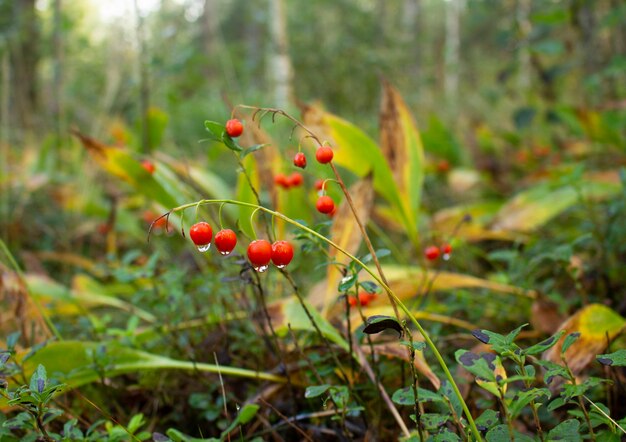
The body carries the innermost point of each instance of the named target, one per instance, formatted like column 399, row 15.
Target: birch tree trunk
column 452, row 51
column 280, row 64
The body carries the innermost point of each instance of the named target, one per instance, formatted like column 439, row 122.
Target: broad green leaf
column 480, row 365
column 406, row 396
column 358, row 153
column 315, row 390
column 544, row 345
column 534, row 207
column 72, row 362
column 64, row 301
column 120, row 163
column 567, row 431
column 487, row 420
column 615, row 359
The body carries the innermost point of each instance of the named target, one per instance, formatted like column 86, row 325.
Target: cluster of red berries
column 432, row 253
column 363, row 298
column 260, row 251
column 284, row 181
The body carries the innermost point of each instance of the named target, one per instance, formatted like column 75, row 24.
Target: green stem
column 377, row 278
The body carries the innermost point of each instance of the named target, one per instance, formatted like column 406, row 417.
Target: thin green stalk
column 376, row 277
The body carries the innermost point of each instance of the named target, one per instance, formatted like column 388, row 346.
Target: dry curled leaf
column 597, row 325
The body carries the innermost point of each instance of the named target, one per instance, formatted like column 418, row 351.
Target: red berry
column 446, row 249
column 299, row 160
column 260, row 254
column 295, row 179
column 352, row 301
column 201, row 234
column 324, row 154
column 225, row 241
column 365, row 298
column 431, row 253
column 325, row 204
column 148, row 166
column 318, row 184
column 280, row 179
column 443, row 166
column 282, row 253
column 234, row 128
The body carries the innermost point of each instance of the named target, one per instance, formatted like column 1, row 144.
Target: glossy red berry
column 260, row 254
column 280, row 179
column 201, row 234
column 295, row 179
column 446, row 249
column 318, row 184
column 431, row 253
column 299, row 160
column 324, row 154
column 149, row 166
column 282, row 253
column 325, row 204
column 225, row 241
column 234, row 128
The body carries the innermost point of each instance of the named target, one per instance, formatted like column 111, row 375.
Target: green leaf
column 370, row 287
column 316, row 390
column 544, row 345
column 246, row 414
column 405, row 396
column 487, row 420
column 252, row 149
column 500, row 433
column 231, row 143
column 378, row 323
column 69, row 361
column 480, row 365
column 347, row 282
column 523, row 398
column 567, row 431
column 569, row 340
column 340, row 395
column 136, row 422
column 216, row 130
column 617, row 359
column 38, row 380
column 416, row 345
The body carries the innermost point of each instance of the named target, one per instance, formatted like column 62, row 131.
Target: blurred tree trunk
column 411, row 27
column 523, row 30
column 57, row 92
column 280, row 63
column 210, row 34
column 451, row 51
column 25, row 57
column 144, row 93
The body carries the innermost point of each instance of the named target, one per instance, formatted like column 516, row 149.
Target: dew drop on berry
column 203, row 247
column 446, row 256
column 262, row 269
column 225, row 252
column 282, row 266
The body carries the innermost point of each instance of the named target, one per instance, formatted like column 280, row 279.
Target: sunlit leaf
column 597, row 325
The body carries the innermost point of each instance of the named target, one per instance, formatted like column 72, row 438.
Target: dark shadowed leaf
column 377, row 324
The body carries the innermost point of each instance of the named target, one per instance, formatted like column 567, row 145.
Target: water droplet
column 261, row 269
column 204, row 247
column 282, row 266
column 225, row 252
column 446, row 256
